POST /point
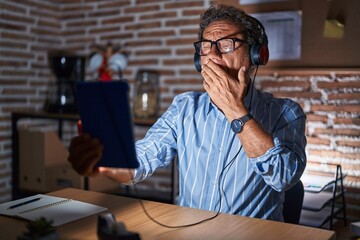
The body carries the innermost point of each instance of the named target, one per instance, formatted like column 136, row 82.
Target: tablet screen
column 105, row 114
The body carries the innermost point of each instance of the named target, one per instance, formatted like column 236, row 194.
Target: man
column 238, row 167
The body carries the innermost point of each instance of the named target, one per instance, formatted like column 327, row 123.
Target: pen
column 24, row 203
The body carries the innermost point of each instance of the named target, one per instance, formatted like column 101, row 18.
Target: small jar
column 146, row 101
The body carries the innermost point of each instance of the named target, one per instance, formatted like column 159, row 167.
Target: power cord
column 220, row 190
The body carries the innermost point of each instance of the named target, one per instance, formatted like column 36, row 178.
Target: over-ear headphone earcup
column 259, row 54
column 197, row 62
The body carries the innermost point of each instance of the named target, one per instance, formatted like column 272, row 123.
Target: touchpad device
column 105, row 114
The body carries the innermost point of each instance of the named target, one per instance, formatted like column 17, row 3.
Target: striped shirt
column 199, row 134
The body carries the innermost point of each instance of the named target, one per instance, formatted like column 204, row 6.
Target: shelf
column 317, row 201
column 324, row 199
column 317, row 219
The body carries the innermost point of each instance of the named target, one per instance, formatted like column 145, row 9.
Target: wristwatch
column 238, row 124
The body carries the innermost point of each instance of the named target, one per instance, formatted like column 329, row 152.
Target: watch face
column 236, row 125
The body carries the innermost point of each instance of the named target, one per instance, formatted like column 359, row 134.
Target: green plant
column 39, row 228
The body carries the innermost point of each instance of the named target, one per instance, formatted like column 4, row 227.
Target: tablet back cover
column 105, row 114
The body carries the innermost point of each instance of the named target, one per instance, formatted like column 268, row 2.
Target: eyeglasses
column 223, row 45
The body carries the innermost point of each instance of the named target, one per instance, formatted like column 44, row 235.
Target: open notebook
column 59, row 210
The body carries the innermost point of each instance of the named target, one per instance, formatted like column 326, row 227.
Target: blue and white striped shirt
column 200, row 135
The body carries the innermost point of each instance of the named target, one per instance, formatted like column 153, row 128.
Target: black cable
column 203, row 220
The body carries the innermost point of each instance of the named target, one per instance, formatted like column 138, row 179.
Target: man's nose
column 214, row 50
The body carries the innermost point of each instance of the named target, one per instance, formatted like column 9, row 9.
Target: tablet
column 105, row 114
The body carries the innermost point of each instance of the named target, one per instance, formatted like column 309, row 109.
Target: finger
column 242, row 76
column 89, row 154
column 84, row 154
column 88, row 167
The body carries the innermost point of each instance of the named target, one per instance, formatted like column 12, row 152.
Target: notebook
column 56, row 209
column 105, row 114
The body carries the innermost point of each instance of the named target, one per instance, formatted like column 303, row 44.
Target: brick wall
column 158, row 35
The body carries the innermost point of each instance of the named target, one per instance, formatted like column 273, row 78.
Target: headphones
column 259, row 52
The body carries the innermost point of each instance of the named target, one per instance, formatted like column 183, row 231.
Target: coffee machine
column 68, row 69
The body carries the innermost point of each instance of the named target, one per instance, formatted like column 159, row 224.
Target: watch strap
column 245, row 118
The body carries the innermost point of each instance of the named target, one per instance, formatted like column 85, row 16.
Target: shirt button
column 221, row 149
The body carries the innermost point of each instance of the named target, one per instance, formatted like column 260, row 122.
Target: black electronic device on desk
column 105, row 114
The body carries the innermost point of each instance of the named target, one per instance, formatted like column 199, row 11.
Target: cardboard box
column 64, row 176
column 43, row 165
column 38, row 151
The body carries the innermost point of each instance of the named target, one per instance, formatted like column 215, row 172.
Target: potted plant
column 40, row 229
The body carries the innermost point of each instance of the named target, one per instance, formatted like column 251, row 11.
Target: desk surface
column 128, row 210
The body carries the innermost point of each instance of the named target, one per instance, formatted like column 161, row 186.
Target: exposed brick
column 45, row 14
column 15, row 8
column 17, row 36
column 193, row 12
column 117, row 37
column 12, row 63
column 334, row 154
column 344, row 96
column 142, row 9
column 355, row 144
column 100, row 30
column 16, row 18
column 144, row 62
column 177, row 61
column 117, row 4
column 51, row 32
column 81, row 23
column 13, row 54
column 142, row 26
column 153, row 52
column 73, row 32
column 157, row 34
column 338, row 85
column 355, row 121
column 12, row 27
column 305, row 84
column 189, row 89
column 316, row 118
column 190, row 71
column 338, row 131
column 140, row 2
column 81, row 40
column 136, row 43
column 43, row 5
column 297, row 94
column 4, row 82
column 185, row 51
column 71, row 16
column 181, row 23
column 318, row 141
column 184, row 4
column 336, row 108
column 160, row 15
column 119, row 20
column 182, row 41
column 49, row 24
column 183, row 81
column 104, row 13
column 76, row 8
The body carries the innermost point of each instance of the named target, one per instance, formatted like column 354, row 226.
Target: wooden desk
column 128, row 210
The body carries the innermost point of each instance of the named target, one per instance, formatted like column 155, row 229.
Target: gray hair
column 254, row 31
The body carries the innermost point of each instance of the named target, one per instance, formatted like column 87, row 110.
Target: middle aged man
column 238, row 148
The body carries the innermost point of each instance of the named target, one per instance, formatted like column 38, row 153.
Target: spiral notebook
column 55, row 209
